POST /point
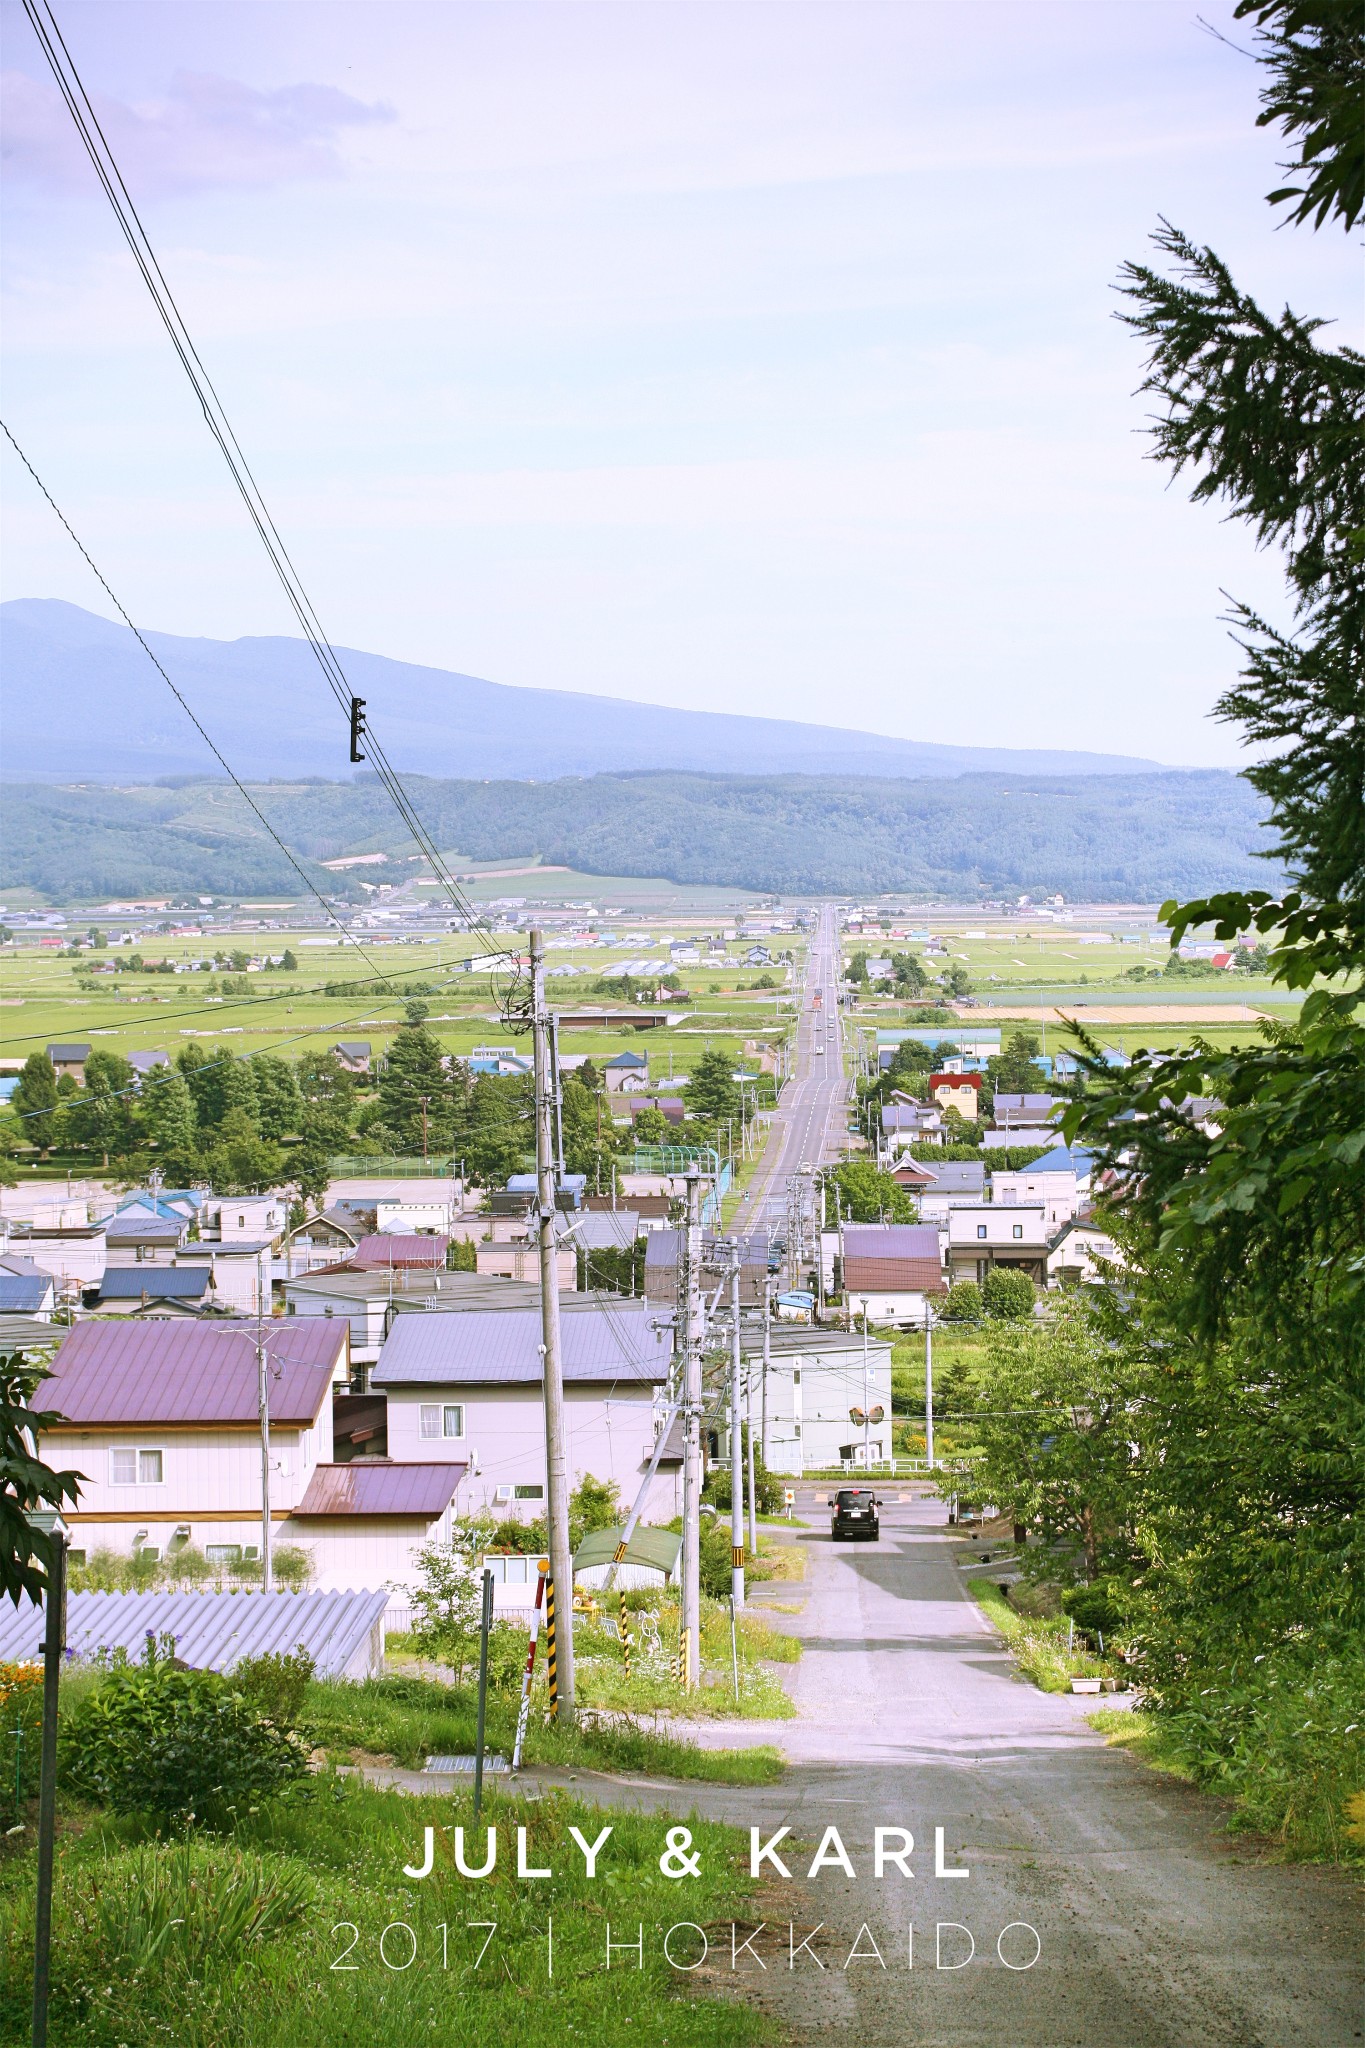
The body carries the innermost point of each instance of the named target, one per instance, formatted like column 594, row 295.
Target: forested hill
column 1095, row 838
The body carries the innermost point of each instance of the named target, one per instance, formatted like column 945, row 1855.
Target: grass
column 1144, row 1736
column 1039, row 1644
column 406, row 1717
column 270, row 1937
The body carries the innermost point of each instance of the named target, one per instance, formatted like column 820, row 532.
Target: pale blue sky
column 747, row 357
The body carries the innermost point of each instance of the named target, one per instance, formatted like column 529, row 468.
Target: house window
column 241, row 1223
column 440, row 1419
column 528, row 1493
column 135, row 1468
column 981, row 1230
column 796, row 1375
column 222, row 1553
column 1018, row 1229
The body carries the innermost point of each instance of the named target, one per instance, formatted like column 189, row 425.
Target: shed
column 342, row 1632
column 651, row 1557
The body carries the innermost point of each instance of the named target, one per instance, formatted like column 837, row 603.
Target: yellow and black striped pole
column 551, row 1658
column 623, row 1630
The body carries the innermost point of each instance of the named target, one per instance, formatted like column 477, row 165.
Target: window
column 981, row 1230
column 222, row 1553
column 135, row 1468
column 796, row 1375
column 440, row 1419
column 1018, row 1229
column 241, row 1223
column 528, row 1493
column 75, row 1557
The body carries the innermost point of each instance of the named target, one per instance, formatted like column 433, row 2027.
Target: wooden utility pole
column 736, row 1439
column 689, row 1333
column 556, row 1451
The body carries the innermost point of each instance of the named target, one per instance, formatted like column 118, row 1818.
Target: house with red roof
column 161, row 1420
column 957, row 1091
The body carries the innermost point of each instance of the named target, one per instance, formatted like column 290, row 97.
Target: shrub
column 275, row 1684
column 963, row 1304
column 291, row 1565
column 1099, row 1609
column 1007, row 1295
column 154, row 1738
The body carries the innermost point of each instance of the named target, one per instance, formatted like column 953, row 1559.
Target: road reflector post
column 527, row 1676
column 551, row 1660
column 623, row 1630
column 734, row 1644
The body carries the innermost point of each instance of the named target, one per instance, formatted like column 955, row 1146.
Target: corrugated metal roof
column 22, row 1293
column 607, row 1229
column 192, row 1374
column 130, row 1283
column 891, row 1241
column 501, row 1346
column 400, row 1248
column 381, row 1489
column 649, row 1546
column 893, row 1276
column 212, row 1630
column 68, row 1052
column 135, row 1228
column 28, row 1333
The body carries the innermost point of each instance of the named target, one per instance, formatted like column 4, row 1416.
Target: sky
column 743, row 357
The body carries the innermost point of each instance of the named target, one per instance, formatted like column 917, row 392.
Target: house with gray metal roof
column 156, row 1291
column 69, row 1059
column 161, row 1420
column 469, row 1388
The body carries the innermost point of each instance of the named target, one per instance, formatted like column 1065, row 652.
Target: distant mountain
column 1097, row 838
column 82, row 702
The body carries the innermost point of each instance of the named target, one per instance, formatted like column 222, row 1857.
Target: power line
column 97, row 147
column 212, row 746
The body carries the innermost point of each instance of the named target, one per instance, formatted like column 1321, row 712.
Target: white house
column 243, row 1219
column 240, row 1273
column 804, row 1398
column 994, row 1234
column 74, row 1254
column 160, row 1419
column 891, row 1271
column 134, row 1237
column 1073, row 1252
column 468, row 1388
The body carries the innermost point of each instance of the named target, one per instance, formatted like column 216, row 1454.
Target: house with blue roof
column 1059, row 1183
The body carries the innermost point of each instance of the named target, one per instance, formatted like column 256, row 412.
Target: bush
column 1099, row 1609
column 963, row 1304
column 275, row 1684
column 154, row 1738
column 1007, row 1295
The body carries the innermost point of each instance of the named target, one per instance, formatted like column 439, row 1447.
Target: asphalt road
column 1158, row 1929
column 809, row 1123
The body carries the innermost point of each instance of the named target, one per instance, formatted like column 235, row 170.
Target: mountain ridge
column 120, row 722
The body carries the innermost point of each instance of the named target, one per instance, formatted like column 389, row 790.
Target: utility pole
column 263, row 1410
column 867, row 1398
column 749, row 1459
column 556, row 1451
column 689, row 1317
column 929, row 1384
column 767, row 1359
column 736, row 1438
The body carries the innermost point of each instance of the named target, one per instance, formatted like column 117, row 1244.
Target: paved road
column 1158, row 1929
column 809, row 1123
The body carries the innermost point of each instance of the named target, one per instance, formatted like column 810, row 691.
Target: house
column 911, row 1123
column 671, row 1107
column 603, row 1230
column 144, row 1063
column 69, row 1059
column 395, row 1249
column 521, row 1261
column 663, row 1250
column 343, row 1633
column 25, row 1289
column 570, row 1188
column 653, row 1210
column 326, row 1239
column 955, row 1183
column 991, row 1234
column 1073, row 1253
column 891, row 1270
column 156, row 1291
column 957, row 1091
column 353, row 1054
column 803, row 1396
column 133, row 1237
column 239, row 1275
column 161, row 1420
column 625, row 1072
column 427, row 1202
column 1060, row 1181
column 74, row 1253
column 236, row 1219
column 468, row 1389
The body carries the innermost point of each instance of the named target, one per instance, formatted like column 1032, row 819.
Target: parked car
column 855, row 1515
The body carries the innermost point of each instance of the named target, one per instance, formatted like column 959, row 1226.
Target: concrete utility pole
column 556, row 1451
column 736, row 1438
column 929, row 1384
column 689, row 1318
column 263, row 1407
column 767, row 1360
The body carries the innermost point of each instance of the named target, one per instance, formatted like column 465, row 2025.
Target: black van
column 855, row 1514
